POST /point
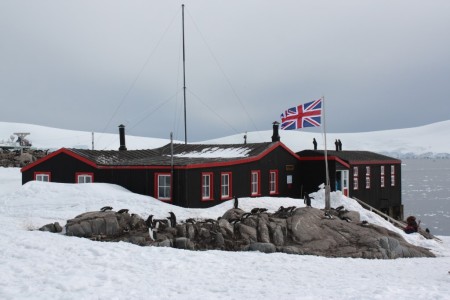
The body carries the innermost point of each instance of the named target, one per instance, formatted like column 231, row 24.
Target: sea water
column 426, row 193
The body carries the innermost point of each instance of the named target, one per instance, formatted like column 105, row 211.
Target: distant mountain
column 429, row 141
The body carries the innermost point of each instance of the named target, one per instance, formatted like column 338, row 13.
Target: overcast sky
column 92, row 65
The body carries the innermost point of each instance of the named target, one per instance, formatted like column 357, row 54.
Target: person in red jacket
column 412, row 225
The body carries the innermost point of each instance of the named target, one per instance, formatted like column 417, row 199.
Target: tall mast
column 184, row 77
column 327, row 176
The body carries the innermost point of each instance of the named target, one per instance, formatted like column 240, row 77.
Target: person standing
column 315, row 143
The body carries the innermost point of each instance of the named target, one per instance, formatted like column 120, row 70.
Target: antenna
column 184, row 77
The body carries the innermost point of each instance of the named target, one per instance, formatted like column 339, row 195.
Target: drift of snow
column 42, row 265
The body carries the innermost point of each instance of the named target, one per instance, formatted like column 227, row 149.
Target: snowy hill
column 418, row 142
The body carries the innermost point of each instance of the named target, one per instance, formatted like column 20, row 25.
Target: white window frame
column 355, row 178
column 164, row 188
column 393, row 175
column 207, row 188
column 44, row 177
column 382, row 182
column 255, row 183
column 273, row 182
column 367, row 177
column 225, row 185
column 81, row 178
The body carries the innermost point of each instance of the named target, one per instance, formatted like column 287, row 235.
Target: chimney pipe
column 275, row 136
column 122, row 138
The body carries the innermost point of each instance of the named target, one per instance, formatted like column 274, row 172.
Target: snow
column 215, row 152
column 42, row 265
column 423, row 141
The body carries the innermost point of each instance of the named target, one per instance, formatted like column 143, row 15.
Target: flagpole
column 327, row 176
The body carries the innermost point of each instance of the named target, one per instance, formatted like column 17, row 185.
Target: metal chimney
column 275, row 136
column 122, row 138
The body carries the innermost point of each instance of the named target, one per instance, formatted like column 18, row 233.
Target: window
column 367, row 177
column 382, row 176
column 355, row 178
column 84, row 177
column 255, row 183
column 392, row 175
column 273, row 182
column 225, row 185
column 42, row 176
column 163, row 186
column 207, row 186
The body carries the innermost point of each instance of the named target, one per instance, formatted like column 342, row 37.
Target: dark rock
column 54, row 227
column 262, row 247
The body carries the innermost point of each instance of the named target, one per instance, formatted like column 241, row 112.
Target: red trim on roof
column 53, row 154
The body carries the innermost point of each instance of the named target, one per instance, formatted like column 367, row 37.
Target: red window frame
column 355, row 178
column 210, row 188
column 258, row 183
column 156, row 187
column 367, row 177
column 273, row 182
column 230, row 186
column 49, row 174
column 392, row 175
column 77, row 174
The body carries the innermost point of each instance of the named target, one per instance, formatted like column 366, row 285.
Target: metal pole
column 184, row 78
column 327, row 176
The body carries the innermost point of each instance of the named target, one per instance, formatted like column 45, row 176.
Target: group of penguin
column 152, row 224
column 171, row 221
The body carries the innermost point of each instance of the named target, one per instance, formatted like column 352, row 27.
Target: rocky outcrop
column 19, row 159
column 295, row 231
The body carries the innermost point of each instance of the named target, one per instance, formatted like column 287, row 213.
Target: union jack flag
column 304, row 115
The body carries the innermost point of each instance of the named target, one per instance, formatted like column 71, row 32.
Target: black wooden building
column 368, row 176
column 188, row 175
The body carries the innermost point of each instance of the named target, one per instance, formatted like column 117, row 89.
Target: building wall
column 186, row 183
column 379, row 197
column 279, row 160
column 62, row 168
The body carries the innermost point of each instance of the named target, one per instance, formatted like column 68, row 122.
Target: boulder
column 53, row 227
column 262, row 247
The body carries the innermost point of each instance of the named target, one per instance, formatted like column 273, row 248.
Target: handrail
column 400, row 224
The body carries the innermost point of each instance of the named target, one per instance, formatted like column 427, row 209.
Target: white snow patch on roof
column 215, row 152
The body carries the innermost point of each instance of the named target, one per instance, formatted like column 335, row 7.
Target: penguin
column 290, row 208
column 339, row 208
column 149, row 221
column 347, row 219
column 172, row 219
column 281, row 209
column 191, row 221
column 261, row 210
column 427, row 230
column 236, row 202
column 211, row 221
column 328, row 216
column 105, row 208
column 245, row 216
column 234, row 221
column 254, row 211
column 123, row 211
column 364, row 223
